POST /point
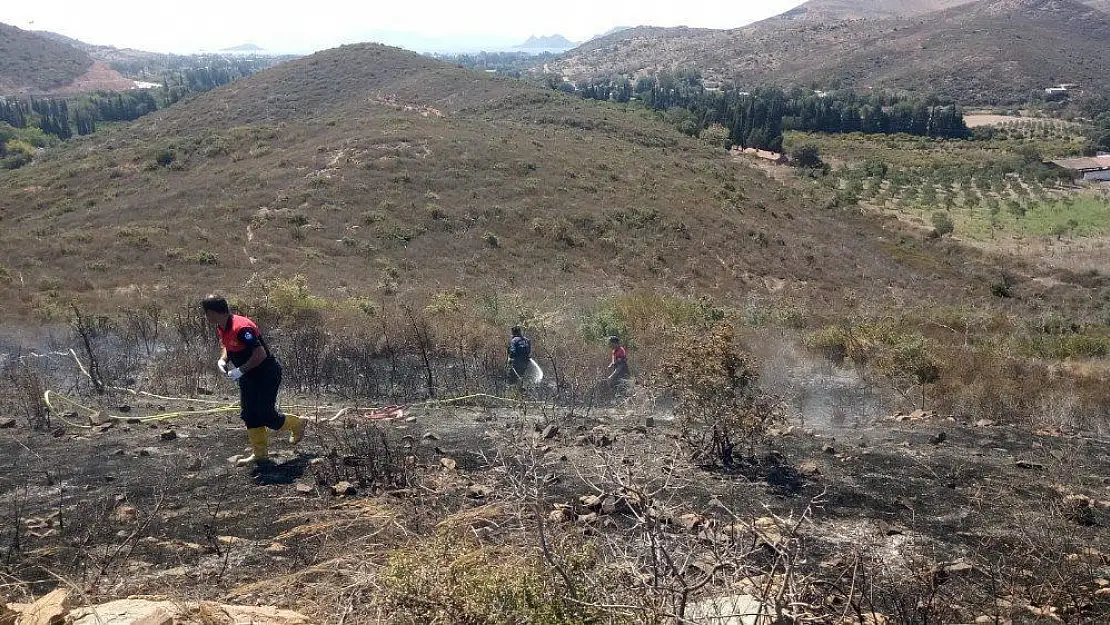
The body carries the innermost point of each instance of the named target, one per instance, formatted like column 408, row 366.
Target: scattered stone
column 561, row 514
column 146, row 612
column 550, row 432
column 809, row 468
column 126, row 514
column 592, row 502
column 886, row 529
column 939, row 438
column 478, row 491
column 144, row 453
column 276, row 548
column 305, row 489
column 985, row 423
column 410, row 419
column 1080, row 509
column 448, row 463
column 118, row 452
column 96, row 419
column 7, row 424
column 343, row 489
column 650, row 422
column 236, row 458
column 829, row 449
column 588, row 519
column 429, row 436
column 125, row 409
column 58, row 432
column 169, row 435
column 196, row 464
column 1025, row 464
column 768, row 530
column 729, row 610
column 690, row 521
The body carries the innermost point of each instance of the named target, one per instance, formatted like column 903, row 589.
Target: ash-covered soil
column 159, row 508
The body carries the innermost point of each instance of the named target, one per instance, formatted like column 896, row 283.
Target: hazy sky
column 302, row 26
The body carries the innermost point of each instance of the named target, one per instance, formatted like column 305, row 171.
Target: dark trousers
column 258, row 397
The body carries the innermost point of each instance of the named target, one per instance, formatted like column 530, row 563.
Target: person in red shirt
column 618, row 364
column 246, row 359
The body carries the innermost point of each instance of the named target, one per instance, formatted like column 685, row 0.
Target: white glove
column 221, row 364
column 235, row 374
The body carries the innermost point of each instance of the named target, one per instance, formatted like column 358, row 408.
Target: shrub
column 451, row 579
column 165, row 158
column 717, row 399
column 942, row 224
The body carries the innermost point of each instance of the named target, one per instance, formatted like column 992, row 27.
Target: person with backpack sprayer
column 246, row 359
column 618, row 362
column 520, row 356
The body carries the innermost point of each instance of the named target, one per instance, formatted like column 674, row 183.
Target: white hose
column 534, row 373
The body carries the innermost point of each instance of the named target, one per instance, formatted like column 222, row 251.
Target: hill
column 551, row 43
column 376, row 172
column 983, row 52
column 30, row 63
column 833, row 10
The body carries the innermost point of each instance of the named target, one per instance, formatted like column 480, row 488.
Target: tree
column 807, row 157
column 942, row 224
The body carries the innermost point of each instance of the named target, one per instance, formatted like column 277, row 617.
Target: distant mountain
column 548, row 43
column 983, row 52
column 248, row 48
column 33, row 64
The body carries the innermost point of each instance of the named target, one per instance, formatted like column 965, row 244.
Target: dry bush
column 717, row 397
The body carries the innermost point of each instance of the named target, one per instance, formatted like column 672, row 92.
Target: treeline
column 758, row 118
column 63, row 118
column 513, row 64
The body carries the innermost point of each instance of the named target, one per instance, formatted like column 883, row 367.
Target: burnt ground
column 122, row 511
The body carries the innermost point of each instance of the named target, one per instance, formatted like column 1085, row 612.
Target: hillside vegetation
column 983, row 52
column 30, row 63
column 418, row 176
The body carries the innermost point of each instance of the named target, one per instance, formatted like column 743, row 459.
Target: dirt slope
column 30, row 63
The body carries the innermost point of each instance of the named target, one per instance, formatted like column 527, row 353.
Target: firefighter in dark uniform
column 245, row 358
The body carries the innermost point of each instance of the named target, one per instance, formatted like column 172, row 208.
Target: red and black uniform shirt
column 240, row 337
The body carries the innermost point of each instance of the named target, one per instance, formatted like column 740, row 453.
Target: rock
column 48, row 610
column 985, row 423
column 58, row 432
column 561, row 514
column 410, row 419
column 343, row 489
column 939, row 438
column 305, row 489
column 829, row 449
column 591, row 502
column 587, row 519
column 809, row 468
column 7, row 616
column 448, row 463
column 768, row 530
column 7, row 424
column 145, row 612
column 196, row 464
column 96, row 419
column 550, row 432
column 125, row 409
column 144, row 453
column 1025, row 464
column 169, row 435
column 125, row 514
column 129, row 611
column 429, row 436
column 276, row 548
column 479, row 491
column 729, row 610
column 650, row 422
column 690, row 522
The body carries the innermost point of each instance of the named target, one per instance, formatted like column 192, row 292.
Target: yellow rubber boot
column 295, row 426
column 260, row 446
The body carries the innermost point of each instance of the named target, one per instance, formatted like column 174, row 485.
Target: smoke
column 819, row 393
